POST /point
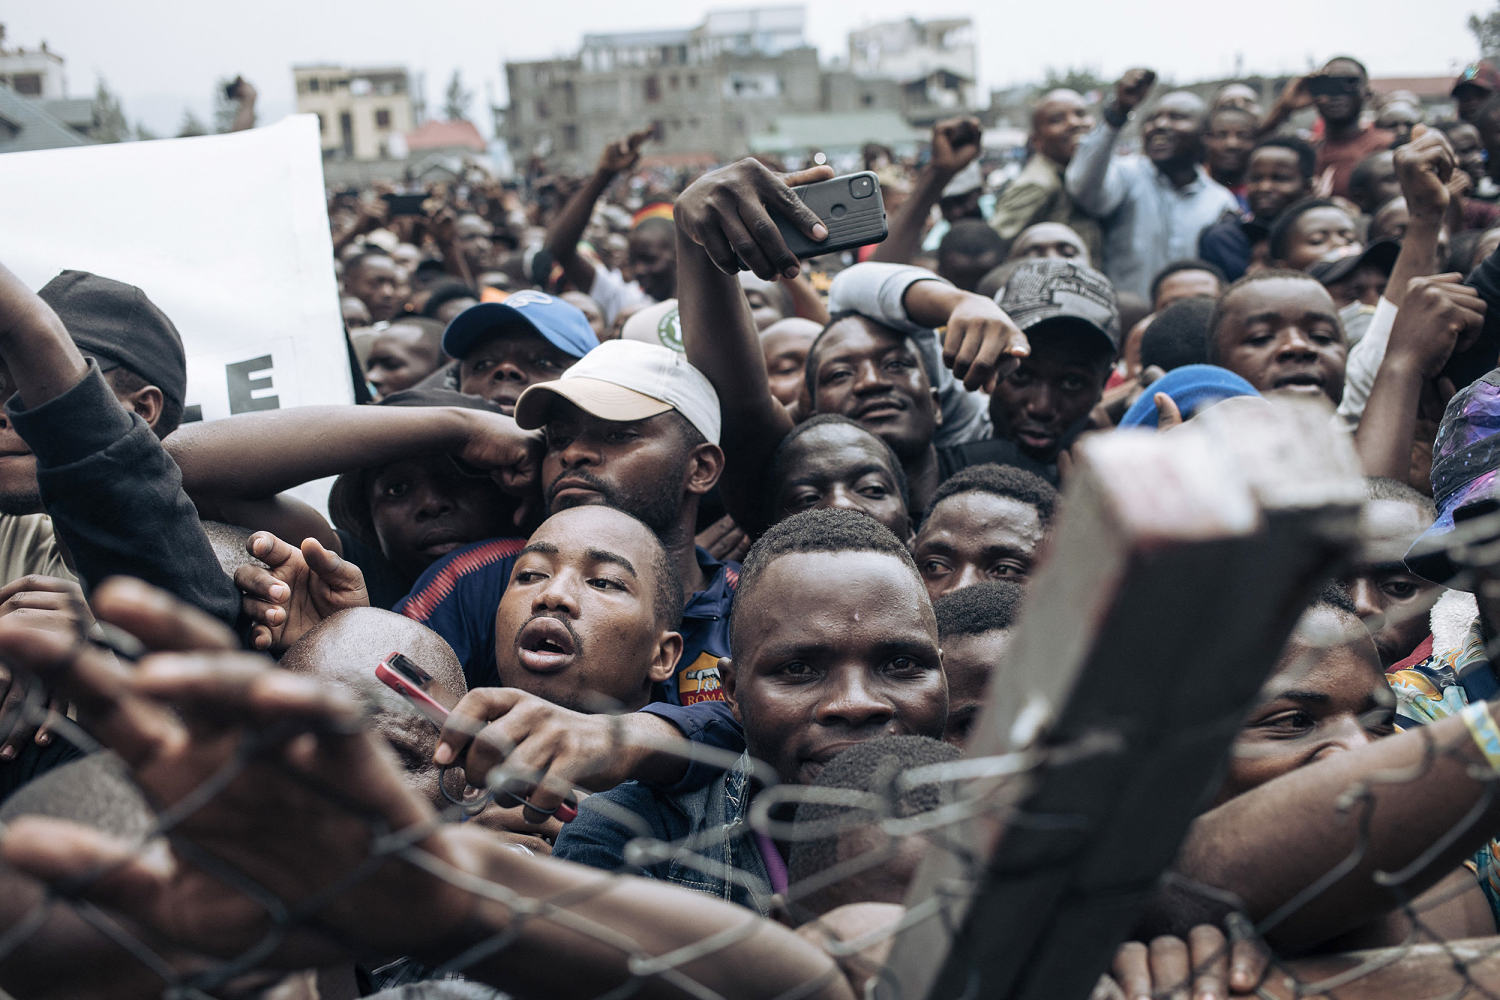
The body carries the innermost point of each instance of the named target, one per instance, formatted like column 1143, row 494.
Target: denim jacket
column 698, row 839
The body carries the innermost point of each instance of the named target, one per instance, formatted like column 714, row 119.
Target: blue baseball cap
column 561, row 325
column 1192, row 388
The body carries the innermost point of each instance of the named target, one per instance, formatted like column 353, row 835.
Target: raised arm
column 1439, row 313
column 1293, row 98
column 567, row 229
column 955, row 145
column 1435, row 313
column 1423, row 167
column 244, row 95
column 722, row 220
column 1093, row 177
column 979, row 343
column 252, row 457
column 35, row 346
column 1268, row 845
column 96, row 460
column 437, row 891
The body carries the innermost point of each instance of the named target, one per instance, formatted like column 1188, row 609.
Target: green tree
column 143, row 134
column 1082, row 79
column 191, row 125
column 1486, row 31
column 109, row 117
column 456, row 99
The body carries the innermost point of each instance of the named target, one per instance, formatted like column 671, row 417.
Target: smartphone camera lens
column 862, row 187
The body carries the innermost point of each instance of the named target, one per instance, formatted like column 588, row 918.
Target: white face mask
column 1355, row 318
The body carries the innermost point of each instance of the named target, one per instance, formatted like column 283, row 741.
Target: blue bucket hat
column 561, row 325
column 1192, row 388
column 1465, row 467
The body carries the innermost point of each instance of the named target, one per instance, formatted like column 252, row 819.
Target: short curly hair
column 1002, row 481
column 828, row 530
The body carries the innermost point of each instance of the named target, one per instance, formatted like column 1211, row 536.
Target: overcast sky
column 162, row 56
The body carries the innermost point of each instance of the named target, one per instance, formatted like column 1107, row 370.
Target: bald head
column 785, row 344
column 1060, row 119
column 95, row 791
column 344, row 648
column 1185, row 101
column 1237, row 95
column 1050, row 239
column 1173, row 134
column 1054, row 99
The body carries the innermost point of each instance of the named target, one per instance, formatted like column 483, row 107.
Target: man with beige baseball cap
column 633, row 426
column 623, row 380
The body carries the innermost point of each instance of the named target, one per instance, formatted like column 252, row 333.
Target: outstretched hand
column 296, row 589
column 546, row 750
column 982, row 344
column 1439, row 316
column 302, row 793
column 1210, row 963
column 27, row 709
column 494, row 444
column 728, row 213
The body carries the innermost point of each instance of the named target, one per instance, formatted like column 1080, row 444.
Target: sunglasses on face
column 1333, row 86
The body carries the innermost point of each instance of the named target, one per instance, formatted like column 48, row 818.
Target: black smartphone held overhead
column 405, row 204
column 849, row 205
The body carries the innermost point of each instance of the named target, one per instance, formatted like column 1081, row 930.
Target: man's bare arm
column 567, row 229
column 955, row 144
column 722, row 221
column 1405, row 794
column 253, row 457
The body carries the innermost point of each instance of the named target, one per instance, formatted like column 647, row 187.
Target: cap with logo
column 656, row 324
column 1477, row 74
column 1047, row 289
column 1465, row 469
column 118, row 326
column 563, row 326
column 627, row 380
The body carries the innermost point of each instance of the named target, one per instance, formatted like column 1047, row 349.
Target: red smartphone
column 411, row 682
column 399, row 673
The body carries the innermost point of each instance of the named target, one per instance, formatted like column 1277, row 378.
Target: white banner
column 228, row 234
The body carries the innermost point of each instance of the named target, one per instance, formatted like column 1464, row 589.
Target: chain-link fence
column 270, row 839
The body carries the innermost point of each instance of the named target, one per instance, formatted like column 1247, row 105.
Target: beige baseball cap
column 627, row 380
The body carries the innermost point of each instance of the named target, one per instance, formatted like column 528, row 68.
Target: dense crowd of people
column 659, row 517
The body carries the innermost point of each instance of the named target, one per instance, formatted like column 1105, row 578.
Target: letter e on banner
column 246, row 378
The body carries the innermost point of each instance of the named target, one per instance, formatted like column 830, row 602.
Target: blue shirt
column 1148, row 221
column 700, row 838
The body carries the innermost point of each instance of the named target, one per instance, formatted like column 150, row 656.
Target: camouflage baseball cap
column 1047, row 289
